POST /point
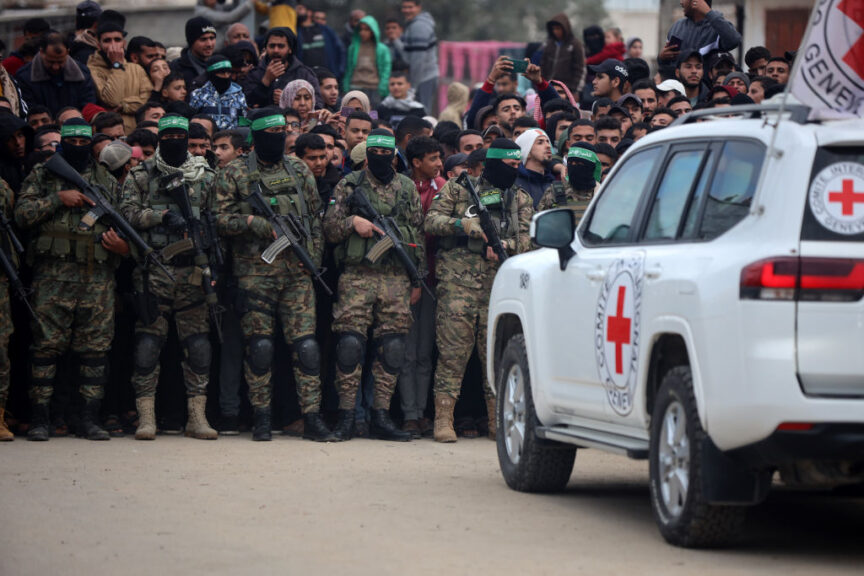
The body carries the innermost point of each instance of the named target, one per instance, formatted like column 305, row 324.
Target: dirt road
column 182, row 507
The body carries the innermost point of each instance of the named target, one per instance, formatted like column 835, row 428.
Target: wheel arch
column 673, row 347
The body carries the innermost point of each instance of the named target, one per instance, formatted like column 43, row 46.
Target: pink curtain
column 479, row 57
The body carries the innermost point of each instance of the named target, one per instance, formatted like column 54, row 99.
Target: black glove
column 173, row 222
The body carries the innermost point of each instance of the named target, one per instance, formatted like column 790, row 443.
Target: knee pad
column 391, row 352
column 259, row 354
column 99, row 364
column 147, row 349
column 350, row 351
column 198, row 353
column 308, row 355
column 37, row 362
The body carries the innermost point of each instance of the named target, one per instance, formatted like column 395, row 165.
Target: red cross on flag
column 829, row 67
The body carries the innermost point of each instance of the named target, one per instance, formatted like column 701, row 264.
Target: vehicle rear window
column 834, row 209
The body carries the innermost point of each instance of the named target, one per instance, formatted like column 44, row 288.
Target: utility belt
column 81, row 248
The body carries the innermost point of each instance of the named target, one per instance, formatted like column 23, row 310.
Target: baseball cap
column 454, row 161
column 358, row 154
column 612, row 67
column 88, row 9
column 620, row 110
column 669, row 85
column 115, row 155
column 713, row 60
column 629, row 97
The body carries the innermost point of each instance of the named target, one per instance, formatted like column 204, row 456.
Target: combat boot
column 383, row 428
column 89, row 427
column 5, row 434
column 315, row 429
column 197, row 425
column 146, row 407
column 444, row 406
column 344, row 430
column 491, row 409
column 39, row 423
column 261, row 425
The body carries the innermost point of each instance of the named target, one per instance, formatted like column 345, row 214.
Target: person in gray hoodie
column 701, row 29
column 421, row 51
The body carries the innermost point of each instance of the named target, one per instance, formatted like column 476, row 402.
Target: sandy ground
column 181, row 506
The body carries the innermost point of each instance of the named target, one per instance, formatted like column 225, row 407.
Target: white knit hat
column 526, row 140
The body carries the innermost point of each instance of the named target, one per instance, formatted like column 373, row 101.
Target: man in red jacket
column 424, row 156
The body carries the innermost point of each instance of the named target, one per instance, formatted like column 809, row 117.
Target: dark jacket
column 11, row 168
column 563, row 59
column 333, row 47
column 259, row 95
column 72, row 87
column 486, row 95
column 191, row 73
column 712, row 29
column 534, row 183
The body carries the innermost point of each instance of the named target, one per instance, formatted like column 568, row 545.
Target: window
column 671, row 199
column 731, row 193
column 612, row 216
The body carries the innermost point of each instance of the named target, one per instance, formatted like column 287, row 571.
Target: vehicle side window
column 732, row 188
column 612, row 215
column 669, row 204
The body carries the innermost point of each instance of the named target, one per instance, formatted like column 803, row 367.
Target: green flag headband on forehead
column 76, row 131
column 268, row 122
column 221, row 65
column 169, row 122
column 588, row 155
column 503, row 154
column 380, row 141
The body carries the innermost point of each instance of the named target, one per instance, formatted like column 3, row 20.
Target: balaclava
column 216, row 64
column 381, row 165
column 583, row 167
column 174, row 151
column 269, row 146
column 77, row 156
column 496, row 172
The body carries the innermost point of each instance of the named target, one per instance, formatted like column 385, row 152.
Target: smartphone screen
column 519, row 66
column 346, row 111
column 675, row 41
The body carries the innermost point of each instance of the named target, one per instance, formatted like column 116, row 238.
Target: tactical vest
column 159, row 200
column 502, row 206
column 354, row 249
column 578, row 203
column 59, row 237
column 283, row 189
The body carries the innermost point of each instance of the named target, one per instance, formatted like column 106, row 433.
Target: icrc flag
column 829, row 67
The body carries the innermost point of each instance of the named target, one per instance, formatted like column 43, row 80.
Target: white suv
column 699, row 316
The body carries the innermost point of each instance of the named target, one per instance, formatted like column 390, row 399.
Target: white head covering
column 526, row 141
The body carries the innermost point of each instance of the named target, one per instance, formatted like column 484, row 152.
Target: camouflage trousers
column 460, row 323
column 76, row 317
column 5, row 333
column 291, row 298
column 183, row 299
column 371, row 297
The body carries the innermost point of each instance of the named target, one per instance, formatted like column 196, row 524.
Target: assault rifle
column 202, row 234
column 8, row 268
column 486, row 224
column 102, row 208
column 390, row 240
column 288, row 233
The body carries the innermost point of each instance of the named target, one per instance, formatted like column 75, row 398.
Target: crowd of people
column 286, row 212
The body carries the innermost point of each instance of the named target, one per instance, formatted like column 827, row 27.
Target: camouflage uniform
column 280, row 289
column 6, row 198
column 159, row 297
column 560, row 194
column 373, row 295
column 465, row 277
column 73, row 283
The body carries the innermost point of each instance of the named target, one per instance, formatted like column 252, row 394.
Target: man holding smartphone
column 701, row 29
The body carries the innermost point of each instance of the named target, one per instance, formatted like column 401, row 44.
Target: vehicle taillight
column 804, row 279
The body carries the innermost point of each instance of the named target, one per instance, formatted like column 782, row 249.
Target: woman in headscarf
column 299, row 95
column 357, row 100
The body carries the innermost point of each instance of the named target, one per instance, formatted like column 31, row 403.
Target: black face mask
column 269, row 146
column 221, row 84
column 581, row 175
column 77, row 156
column 499, row 174
column 174, row 151
column 381, row 166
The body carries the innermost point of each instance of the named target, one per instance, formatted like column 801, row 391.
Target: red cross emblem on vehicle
column 847, row 198
column 618, row 330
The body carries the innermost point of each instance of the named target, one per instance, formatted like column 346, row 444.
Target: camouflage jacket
column 58, row 248
column 7, row 200
column 465, row 265
column 400, row 196
column 576, row 200
column 232, row 187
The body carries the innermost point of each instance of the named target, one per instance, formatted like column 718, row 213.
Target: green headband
column 268, row 122
column 503, row 154
column 169, row 122
column 588, row 155
column 221, row 65
column 381, row 141
column 76, row 131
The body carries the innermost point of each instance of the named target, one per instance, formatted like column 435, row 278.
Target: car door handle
column 654, row 272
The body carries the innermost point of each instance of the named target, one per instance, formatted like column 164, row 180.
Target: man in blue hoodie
column 421, row 50
column 534, row 175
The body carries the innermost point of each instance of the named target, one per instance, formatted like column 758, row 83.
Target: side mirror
column 555, row 229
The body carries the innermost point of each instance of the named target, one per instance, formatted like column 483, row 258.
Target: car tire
column 680, row 510
column 528, row 463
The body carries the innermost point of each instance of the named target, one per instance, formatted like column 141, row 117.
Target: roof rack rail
column 798, row 113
